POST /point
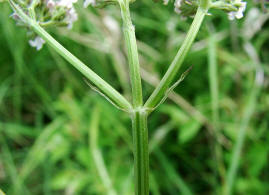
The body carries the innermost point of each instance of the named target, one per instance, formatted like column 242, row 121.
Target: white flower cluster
column 37, row 42
column 65, row 11
column 54, row 12
column 234, row 8
column 241, row 7
column 186, row 8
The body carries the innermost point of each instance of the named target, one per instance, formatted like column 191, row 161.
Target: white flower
column 37, row 42
column 71, row 16
column 89, row 2
column 66, row 3
column 239, row 13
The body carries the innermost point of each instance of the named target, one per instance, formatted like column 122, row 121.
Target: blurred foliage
column 59, row 137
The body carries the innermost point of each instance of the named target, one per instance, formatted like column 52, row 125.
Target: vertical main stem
column 141, row 153
column 139, row 115
column 130, row 40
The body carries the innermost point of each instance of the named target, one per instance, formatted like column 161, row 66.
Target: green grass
column 58, row 136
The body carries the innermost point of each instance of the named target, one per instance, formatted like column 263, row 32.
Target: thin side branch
column 172, row 71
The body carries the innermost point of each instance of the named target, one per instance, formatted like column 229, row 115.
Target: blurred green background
column 57, row 136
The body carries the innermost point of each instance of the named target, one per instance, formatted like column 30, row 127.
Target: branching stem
column 137, row 110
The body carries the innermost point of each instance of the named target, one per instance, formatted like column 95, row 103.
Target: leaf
column 188, row 131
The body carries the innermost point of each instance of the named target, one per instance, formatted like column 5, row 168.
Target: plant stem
column 247, row 114
column 213, row 79
column 102, row 85
column 171, row 73
column 219, row 168
column 130, row 40
column 141, row 153
column 139, row 115
column 249, row 110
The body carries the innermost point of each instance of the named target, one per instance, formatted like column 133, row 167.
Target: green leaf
column 188, row 131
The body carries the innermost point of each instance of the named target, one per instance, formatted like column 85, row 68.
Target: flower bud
column 186, row 7
column 234, row 8
column 241, row 7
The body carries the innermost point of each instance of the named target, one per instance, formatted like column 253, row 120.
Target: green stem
column 213, row 79
column 172, row 71
column 141, row 153
column 139, row 115
column 219, row 168
column 130, row 40
column 250, row 108
column 102, row 85
column 247, row 114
